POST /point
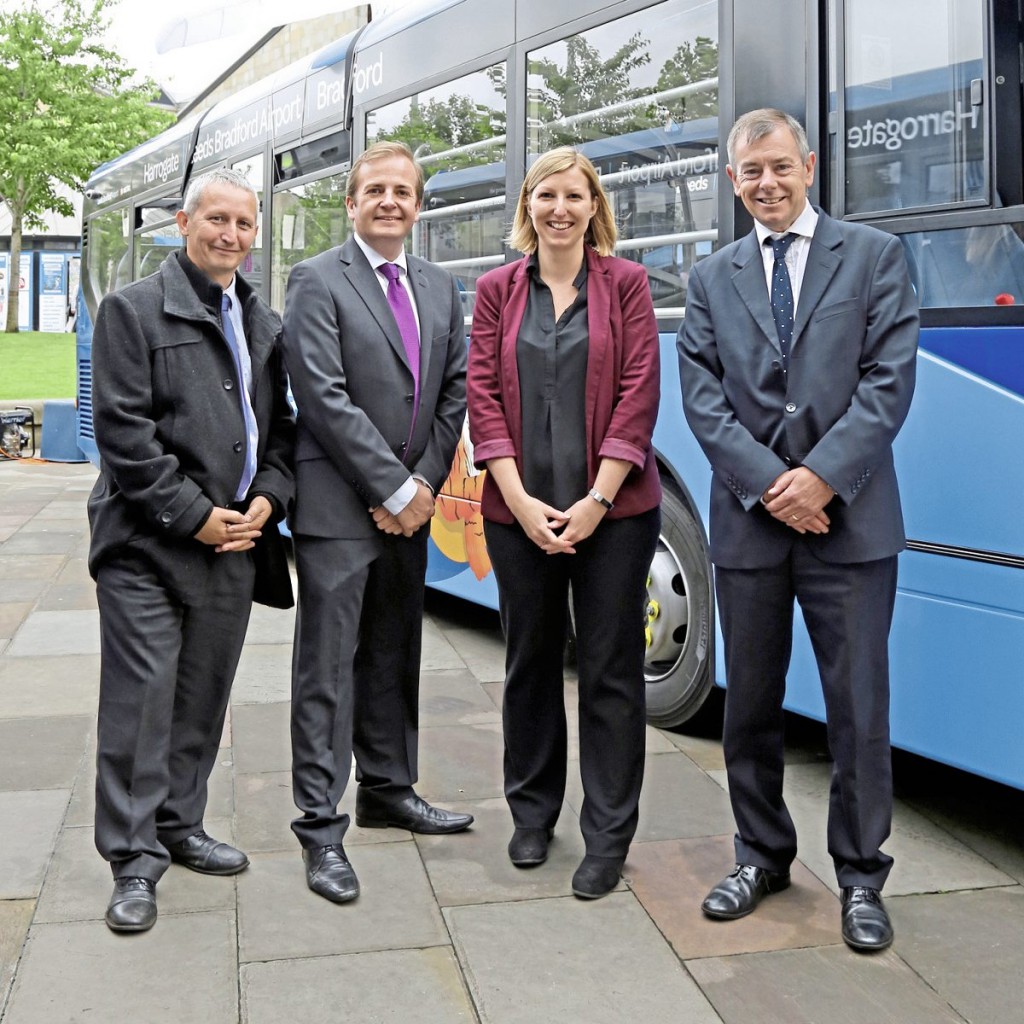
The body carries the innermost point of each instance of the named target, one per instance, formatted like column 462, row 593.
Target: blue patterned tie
column 782, row 294
column 243, row 365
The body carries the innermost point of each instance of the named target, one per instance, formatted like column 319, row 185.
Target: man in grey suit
column 797, row 359
column 375, row 348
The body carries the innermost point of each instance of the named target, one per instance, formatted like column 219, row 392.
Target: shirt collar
column 533, row 268
column 375, row 257
column 804, row 226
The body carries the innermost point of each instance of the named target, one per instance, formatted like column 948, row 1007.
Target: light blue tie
column 243, row 365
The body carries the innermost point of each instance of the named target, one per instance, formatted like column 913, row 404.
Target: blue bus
column 915, row 111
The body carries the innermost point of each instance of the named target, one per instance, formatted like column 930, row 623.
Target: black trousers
column 848, row 611
column 355, row 673
column 165, row 676
column 608, row 575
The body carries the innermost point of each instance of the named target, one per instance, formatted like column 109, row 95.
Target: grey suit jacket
column 837, row 411
column 353, row 388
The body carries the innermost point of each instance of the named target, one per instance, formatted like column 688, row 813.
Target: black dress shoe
column 528, row 847
column 329, row 874
column 202, row 853
column 866, row 924
column 741, row 892
column 376, row 810
column 132, row 906
column 596, row 876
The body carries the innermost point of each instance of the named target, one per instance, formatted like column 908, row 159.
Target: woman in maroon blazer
column 563, row 392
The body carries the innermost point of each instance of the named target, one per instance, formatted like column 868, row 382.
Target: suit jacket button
column 165, row 517
column 237, row 446
column 228, row 383
column 776, row 365
column 790, row 407
column 409, row 398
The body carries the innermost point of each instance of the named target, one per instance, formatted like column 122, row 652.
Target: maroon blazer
column 623, row 378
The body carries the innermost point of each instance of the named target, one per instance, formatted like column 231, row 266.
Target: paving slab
column 22, row 589
column 29, row 823
column 40, row 542
column 460, row 762
column 438, row 654
column 29, row 567
column 473, row 866
column 270, row 625
column 969, row 946
column 39, row 686
column 264, row 674
column 12, row 615
column 42, row 753
column 811, row 986
column 261, row 740
column 416, row 986
column 281, row 919
column 454, row 697
column 15, row 917
column 601, row 961
column 79, row 884
column 671, row 879
column 76, row 570
column 68, row 596
column 184, row 969
column 53, row 634
column 481, row 651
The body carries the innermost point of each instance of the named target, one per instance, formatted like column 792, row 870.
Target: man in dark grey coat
column 195, row 435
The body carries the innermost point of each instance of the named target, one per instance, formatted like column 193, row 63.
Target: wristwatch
column 600, row 498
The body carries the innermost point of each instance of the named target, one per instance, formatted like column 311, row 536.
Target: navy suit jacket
column 353, row 388
column 837, row 410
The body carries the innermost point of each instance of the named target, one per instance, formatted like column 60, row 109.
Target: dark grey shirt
column 552, row 362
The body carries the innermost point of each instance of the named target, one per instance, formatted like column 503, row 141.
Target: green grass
column 36, row 365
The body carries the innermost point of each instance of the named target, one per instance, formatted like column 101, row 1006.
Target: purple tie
column 398, row 300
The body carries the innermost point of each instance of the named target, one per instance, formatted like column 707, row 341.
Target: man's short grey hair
column 756, row 124
column 218, row 176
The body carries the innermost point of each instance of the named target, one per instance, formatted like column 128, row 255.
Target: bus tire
column 679, row 666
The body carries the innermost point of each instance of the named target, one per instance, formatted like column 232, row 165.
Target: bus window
column 158, row 236
column 982, row 265
column 457, row 133
column 639, row 96
column 915, row 118
column 107, row 253
column 307, row 219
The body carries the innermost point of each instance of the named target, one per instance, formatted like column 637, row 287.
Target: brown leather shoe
column 739, row 894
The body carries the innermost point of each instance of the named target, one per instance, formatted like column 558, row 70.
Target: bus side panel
column 83, row 355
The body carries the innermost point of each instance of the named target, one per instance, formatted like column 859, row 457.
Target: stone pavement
column 446, row 930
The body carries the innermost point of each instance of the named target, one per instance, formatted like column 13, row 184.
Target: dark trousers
column 608, row 575
column 165, row 676
column 355, row 673
column 848, row 612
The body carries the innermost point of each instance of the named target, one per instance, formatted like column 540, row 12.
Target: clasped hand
column 798, row 498
column 229, row 530
column 554, row 531
column 411, row 518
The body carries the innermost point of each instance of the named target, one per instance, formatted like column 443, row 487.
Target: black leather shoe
column 329, row 874
column 528, row 847
column 208, row 856
column 375, row 810
column 132, row 906
column 866, row 924
column 596, row 876
column 741, row 892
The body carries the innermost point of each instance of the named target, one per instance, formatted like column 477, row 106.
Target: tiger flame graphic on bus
column 457, row 527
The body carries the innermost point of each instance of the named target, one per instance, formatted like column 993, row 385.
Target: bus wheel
column 679, row 625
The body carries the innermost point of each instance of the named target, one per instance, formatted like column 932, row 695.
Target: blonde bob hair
column 601, row 233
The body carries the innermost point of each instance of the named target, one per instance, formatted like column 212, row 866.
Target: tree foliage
column 66, row 105
column 691, row 63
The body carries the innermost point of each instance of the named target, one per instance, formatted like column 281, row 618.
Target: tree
column 66, row 106
column 691, row 63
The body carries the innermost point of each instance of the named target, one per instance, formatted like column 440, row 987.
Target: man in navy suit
column 375, row 348
column 797, row 359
